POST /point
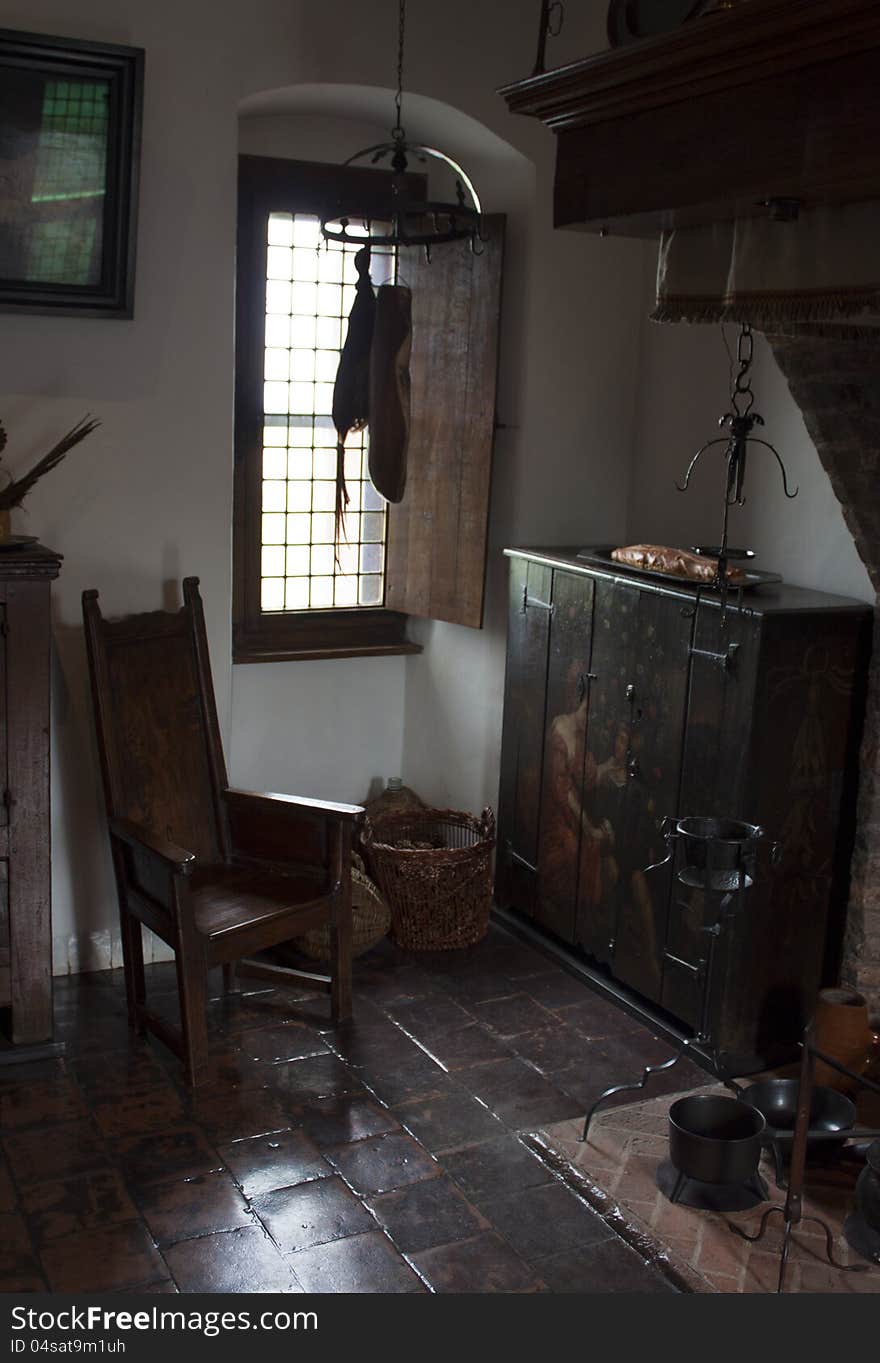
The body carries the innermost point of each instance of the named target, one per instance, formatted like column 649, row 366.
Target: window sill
column 254, row 654
column 360, row 633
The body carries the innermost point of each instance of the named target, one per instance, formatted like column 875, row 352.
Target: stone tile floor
column 620, row 1160
column 383, row 1155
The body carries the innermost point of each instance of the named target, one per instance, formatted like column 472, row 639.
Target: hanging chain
column 397, row 132
column 741, row 395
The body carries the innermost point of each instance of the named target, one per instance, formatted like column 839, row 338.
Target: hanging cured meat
column 352, row 387
column 389, row 398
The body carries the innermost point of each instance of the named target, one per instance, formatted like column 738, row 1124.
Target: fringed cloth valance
column 823, row 266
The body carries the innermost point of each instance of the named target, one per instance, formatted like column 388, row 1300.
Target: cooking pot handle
column 666, row 825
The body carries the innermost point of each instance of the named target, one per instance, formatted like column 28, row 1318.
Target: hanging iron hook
column 719, row 440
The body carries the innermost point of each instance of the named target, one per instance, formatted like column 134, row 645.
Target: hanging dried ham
column 351, row 389
column 389, row 399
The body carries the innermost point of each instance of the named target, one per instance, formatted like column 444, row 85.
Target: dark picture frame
column 70, row 136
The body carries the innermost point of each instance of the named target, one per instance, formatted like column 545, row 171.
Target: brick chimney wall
column 833, row 371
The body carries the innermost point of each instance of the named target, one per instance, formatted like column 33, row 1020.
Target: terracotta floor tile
column 334, row 1121
column 41, row 1104
column 8, row 1195
column 517, row 1093
column 360, row 1263
column 317, row 1076
column 119, row 1257
column 514, row 1015
column 133, row 1069
column 610, row 1266
column 557, row 989
column 427, row 1214
column 181, row 1152
column 89, row 1202
column 243, row 1260
column 312, row 1214
column 543, row 1221
column 485, row 1263
column 272, row 1045
column 263, row 1163
column 382, row 1163
column 153, row 1109
column 597, row 1017
column 552, row 1048
column 427, row 1017
column 39, row 1155
column 199, row 1205
column 415, row 1075
column 460, row 1047
column 19, row 1265
column 448, row 1121
column 488, row 1171
column 238, row 1113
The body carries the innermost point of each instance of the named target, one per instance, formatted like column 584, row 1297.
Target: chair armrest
column 273, row 803
column 288, row 830
column 176, row 859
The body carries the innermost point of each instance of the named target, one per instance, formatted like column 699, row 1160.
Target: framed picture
column 70, row 124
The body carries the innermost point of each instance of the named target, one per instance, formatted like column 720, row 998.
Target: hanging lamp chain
column 397, row 131
column 741, row 395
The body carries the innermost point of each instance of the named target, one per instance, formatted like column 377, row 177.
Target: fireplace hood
column 764, row 108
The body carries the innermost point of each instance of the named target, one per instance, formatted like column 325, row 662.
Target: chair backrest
column 156, row 718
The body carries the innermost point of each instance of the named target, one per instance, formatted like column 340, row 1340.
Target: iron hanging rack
column 410, row 219
column 740, row 422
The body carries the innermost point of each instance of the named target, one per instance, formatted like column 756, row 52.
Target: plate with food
column 675, row 565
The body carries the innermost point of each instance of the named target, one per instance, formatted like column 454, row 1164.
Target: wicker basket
column 434, row 868
column 370, row 916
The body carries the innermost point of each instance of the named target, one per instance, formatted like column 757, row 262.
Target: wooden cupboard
column 630, row 699
column 26, row 575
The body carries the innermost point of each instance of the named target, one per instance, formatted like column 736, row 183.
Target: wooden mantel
column 772, row 100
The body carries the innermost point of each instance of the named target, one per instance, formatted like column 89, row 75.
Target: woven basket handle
column 487, row 822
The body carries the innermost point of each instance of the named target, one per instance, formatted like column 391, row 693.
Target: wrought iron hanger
column 740, row 422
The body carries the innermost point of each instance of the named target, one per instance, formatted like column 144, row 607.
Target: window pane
column 272, row 594
column 272, row 560
column 274, row 463
column 371, row 590
column 280, row 229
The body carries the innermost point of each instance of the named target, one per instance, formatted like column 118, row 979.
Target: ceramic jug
column 844, row 1033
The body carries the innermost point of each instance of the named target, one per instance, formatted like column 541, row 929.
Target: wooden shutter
column 436, row 555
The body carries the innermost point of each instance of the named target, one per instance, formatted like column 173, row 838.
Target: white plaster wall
column 684, row 387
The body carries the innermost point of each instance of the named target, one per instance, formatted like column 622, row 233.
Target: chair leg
column 231, row 983
column 340, row 961
column 133, row 965
column 192, row 987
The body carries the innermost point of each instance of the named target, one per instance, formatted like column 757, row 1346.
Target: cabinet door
column 522, row 745
column 568, row 690
column 714, row 771
column 604, row 797
column 657, row 698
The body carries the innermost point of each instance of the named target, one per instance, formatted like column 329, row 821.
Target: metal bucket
column 723, row 844
column 715, row 1139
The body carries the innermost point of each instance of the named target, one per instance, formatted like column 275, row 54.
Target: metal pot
column 777, row 1099
column 715, row 1139
column 730, row 843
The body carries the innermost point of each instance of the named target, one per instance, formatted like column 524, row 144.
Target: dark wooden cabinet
column 25, row 865
column 628, row 700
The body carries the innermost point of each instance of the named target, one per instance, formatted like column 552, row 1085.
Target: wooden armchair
column 217, row 873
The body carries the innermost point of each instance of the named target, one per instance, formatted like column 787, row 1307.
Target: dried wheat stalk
column 18, row 489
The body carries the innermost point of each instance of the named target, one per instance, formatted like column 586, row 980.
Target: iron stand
column 791, row 1210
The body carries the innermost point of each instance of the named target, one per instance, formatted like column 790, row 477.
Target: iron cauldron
column 715, row 1139
column 776, row 1100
